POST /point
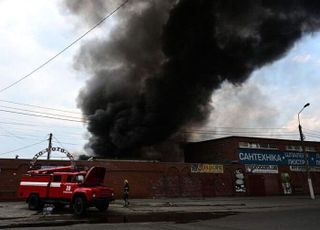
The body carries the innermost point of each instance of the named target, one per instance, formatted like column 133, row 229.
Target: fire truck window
column 80, row 178
column 56, row 178
column 70, row 179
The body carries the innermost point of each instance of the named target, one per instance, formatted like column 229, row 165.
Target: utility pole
column 49, row 146
column 306, row 156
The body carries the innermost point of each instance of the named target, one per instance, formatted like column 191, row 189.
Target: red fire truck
column 62, row 186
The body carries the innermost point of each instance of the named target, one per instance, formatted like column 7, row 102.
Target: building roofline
column 252, row 138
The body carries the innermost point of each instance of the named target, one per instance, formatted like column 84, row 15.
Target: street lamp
column 306, row 157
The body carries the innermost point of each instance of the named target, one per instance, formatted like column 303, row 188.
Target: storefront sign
column 262, row 169
column 206, row 168
column 295, row 168
column 275, row 157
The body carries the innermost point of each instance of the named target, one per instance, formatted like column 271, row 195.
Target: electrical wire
column 39, row 107
column 66, row 143
column 22, row 137
column 312, row 131
column 18, row 130
column 24, row 147
column 228, row 127
column 206, row 134
column 58, row 141
column 42, row 116
column 43, row 113
column 66, row 48
column 214, row 132
column 32, row 123
column 311, row 135
column 17, row 138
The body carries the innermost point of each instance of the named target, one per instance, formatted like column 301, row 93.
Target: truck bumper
column 96, row 201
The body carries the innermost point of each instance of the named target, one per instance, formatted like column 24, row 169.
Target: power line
column 312, row 131
column 40, row 107
column 199, row 131
column 45, row 113
column 6, row 135
column 32, row 123
column 312, row 135
column 21, row 136
column 58, row 142
column 66, row 143
column 26, row 127
column 25, row 147
column 42, row 116
column 66, row 48
column 12, row 135
column 30, row 136
column 207, row 134
column 245, row 128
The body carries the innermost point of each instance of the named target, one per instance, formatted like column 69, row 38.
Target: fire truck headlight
column 93, row 195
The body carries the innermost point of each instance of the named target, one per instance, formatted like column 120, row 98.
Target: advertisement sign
column 273, row 169
column 206, row 168
column 239, row 184
column 285, row 182
column 276, row 157
column 296, row 168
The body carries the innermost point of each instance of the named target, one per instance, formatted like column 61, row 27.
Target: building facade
column 269, row 166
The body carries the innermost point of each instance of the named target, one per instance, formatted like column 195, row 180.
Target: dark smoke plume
column 156, row 72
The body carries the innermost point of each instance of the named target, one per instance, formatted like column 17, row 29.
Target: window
column 79, row 178
column 244, row 145
column 267, row 146
column 70, row 179
column 56, row 178
column 256, row 145
column 310, row 149
column 299, row 148
column 294, row 148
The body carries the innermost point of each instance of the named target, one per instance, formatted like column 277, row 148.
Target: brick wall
column 159, row 179
column 146, row 179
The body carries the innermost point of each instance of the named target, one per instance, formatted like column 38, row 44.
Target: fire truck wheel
column 102, row 206
column 80, row 206
column 34, row 202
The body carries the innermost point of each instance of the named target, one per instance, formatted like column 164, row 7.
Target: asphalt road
column 213, row 213
column 293, row 219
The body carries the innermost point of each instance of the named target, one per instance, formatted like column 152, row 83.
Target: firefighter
column 126, row 193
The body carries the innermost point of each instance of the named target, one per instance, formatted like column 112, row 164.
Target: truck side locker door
column 68, row 186
column 55, row 186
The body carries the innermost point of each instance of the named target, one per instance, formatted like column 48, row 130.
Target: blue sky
column 37, row 30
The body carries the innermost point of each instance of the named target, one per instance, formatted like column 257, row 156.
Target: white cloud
column 302, row 58
column 242, row 106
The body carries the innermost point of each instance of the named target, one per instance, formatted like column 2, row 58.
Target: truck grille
column 105, row 193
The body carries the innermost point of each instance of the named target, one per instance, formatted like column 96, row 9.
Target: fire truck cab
column 66, row 186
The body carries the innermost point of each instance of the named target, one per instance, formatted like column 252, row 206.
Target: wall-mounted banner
column 296, row 168
column 206, row 168
column 262, row 169
column 276, row 157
